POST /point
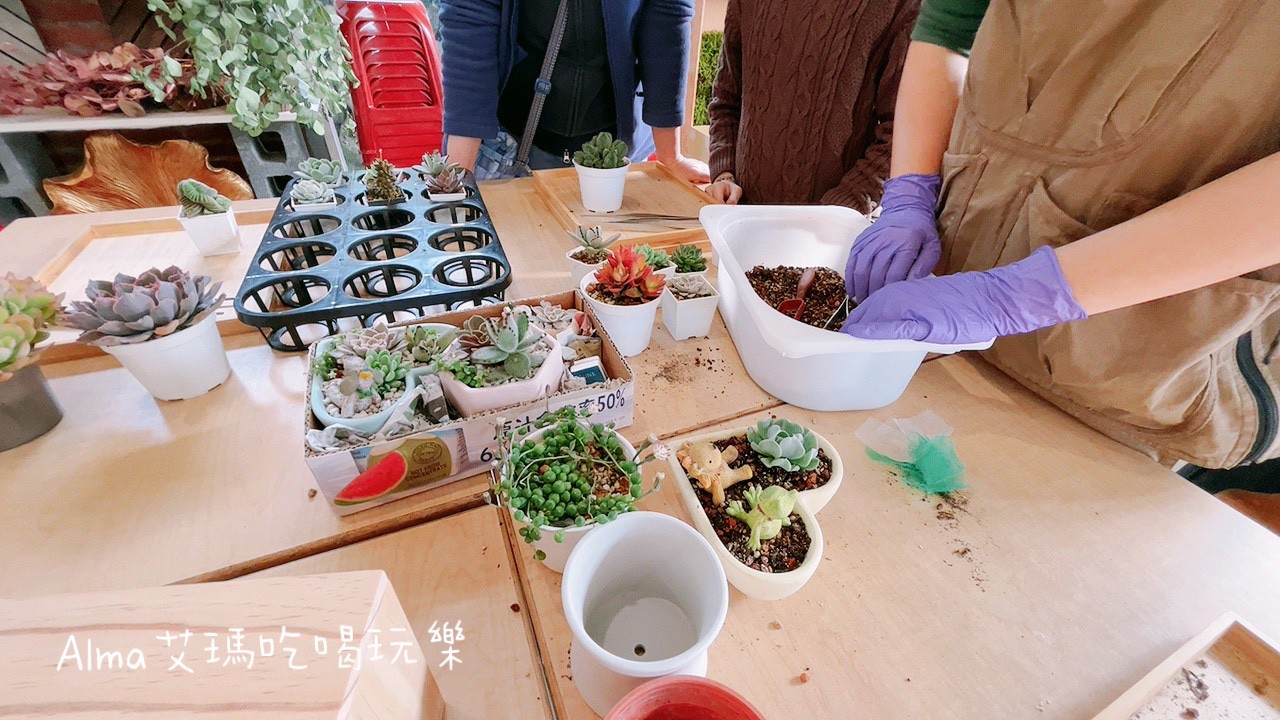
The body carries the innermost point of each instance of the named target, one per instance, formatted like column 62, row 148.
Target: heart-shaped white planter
column 754, row 583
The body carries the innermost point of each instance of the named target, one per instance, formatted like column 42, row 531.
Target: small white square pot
column 447, row 197
column 213, row 234
column 578, row 270
column 667, row 272
column 689, row 318
column 602, row 189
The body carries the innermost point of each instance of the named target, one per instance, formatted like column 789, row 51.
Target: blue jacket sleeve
column 662, row 54
column 470, row 32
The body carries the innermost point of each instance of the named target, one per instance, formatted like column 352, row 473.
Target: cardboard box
column 461, row 448
column 297, row 648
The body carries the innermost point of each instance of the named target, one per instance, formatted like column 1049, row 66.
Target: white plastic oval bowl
column 557, row 553
column 754, row 583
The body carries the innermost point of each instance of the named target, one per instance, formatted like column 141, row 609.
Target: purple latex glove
column 903, row 243
column 970, row 307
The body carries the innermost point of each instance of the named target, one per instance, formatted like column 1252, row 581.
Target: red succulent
column 627, row 279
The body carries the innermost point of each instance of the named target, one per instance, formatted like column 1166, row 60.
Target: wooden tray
column 651, row 190
column 1228, row 671
column 103, row 249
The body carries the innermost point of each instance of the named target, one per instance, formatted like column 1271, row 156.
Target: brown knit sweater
column 802, row 108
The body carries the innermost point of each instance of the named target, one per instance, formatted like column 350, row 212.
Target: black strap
column 542, row 88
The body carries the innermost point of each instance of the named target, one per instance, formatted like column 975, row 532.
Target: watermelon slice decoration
column 380, row 479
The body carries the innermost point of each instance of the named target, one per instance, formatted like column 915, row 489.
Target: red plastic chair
column 399, row 103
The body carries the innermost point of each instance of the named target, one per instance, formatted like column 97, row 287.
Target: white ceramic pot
column 799, row 364
column 557, row 553
column 644, row 597
column 667, row 272
column 579, row 270
column 688, row 318
column 473, row 401
column 213, row 234
column 183, row 365
column 630, row 326
column 447, row 197
column 602, row 189
column 754, row 583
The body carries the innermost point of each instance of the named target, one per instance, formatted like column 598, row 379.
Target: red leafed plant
column 122, row 79
column 626, row 279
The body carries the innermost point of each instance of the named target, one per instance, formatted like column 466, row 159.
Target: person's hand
column 724, row 190
column 969, row 307
column 903, row 243
column 691, row 169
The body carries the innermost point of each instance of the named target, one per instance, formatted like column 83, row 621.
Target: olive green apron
column 1077, row 116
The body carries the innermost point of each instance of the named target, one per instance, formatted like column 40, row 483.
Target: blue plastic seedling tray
column 383, row 262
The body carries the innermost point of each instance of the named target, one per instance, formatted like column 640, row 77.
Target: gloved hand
column 903, row 243
column 970, row 307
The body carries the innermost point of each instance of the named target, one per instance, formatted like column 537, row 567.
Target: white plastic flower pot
column 644, row 597
column 213, row 234
column 667, row 272
column 800, row 364
column 579, row 270
column 447, row 197
column 630, row 326
column 688, row 318
column 556, row 554
column 183, row 365
column 751, row 582
column 602, row 189
column 473, row 401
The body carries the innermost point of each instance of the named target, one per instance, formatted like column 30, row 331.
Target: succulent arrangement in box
column 688, row 259
column 321, row 170
column 362, row 372
column 381, row 185
column 160, row 326
column 558, row 322
column 564, row 475
column 27, row 311
column 499, row 362
column 602, row 172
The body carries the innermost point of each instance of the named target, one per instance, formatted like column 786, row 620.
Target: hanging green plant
column 268, row 55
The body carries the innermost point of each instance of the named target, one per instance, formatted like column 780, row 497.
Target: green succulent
column 391, row 368
column 434, row 163
column 769, row 511
column 658, row 259
column 310, row 192
column 784, row 444
column 199, row 199
column 688, row 258
column 27, row 309
column 322, row 170
column 426, row 343
column 509, row 346
column 602, row 152
column 595, row 246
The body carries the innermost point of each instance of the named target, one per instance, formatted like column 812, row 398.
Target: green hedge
column 708, row 64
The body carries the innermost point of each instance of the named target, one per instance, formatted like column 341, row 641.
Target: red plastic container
column 683, row 697
column 398, row 105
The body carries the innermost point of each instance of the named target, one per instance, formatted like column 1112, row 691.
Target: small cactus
column 380, row 183
column 199, row 199
column 627, row 279
column 602, row 152
column 688, row 258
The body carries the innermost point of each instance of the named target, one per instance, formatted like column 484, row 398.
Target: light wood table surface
column 456, row 569
column 128, row 491
column 1075, row 568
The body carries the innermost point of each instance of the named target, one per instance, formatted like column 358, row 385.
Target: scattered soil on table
column 311, row 493
column 676, row 371
column 765, row 476
column 778, row 284
column 515, row 607
column 804, row 678
column 781, row 554
column 1222, row 685
column 775, row 625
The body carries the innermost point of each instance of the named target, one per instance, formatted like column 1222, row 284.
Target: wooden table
column 1075, row 567
column 128, row 491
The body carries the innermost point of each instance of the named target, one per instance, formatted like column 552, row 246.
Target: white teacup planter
column 216, row 234
column 755, row 583
column 602, row 190
column 692, row 317
column 644, row 597
column 630, row 326
column 578, row 269
column 183, row 365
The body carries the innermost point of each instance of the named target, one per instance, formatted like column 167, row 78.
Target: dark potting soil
column 765, row 476
column 594, row 291
column 778, row 284
column 590, row 256
column 781, row 554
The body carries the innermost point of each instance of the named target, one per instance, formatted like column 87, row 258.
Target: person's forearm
column 928, row 96
column 1219, row 231
column 463, row 151
column 667, row 142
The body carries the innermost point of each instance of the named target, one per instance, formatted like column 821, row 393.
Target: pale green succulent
column 602, row 152
column 509, row 344
column 595, row 246
column 199, row 199
column 310, row 192
column 784, row 444
column 769, row 511
column 129, row 310
column 426, row 343
column 321, row 170
column 434, row 163
column 658, row 259
column 27, row 308
column 389, row 370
